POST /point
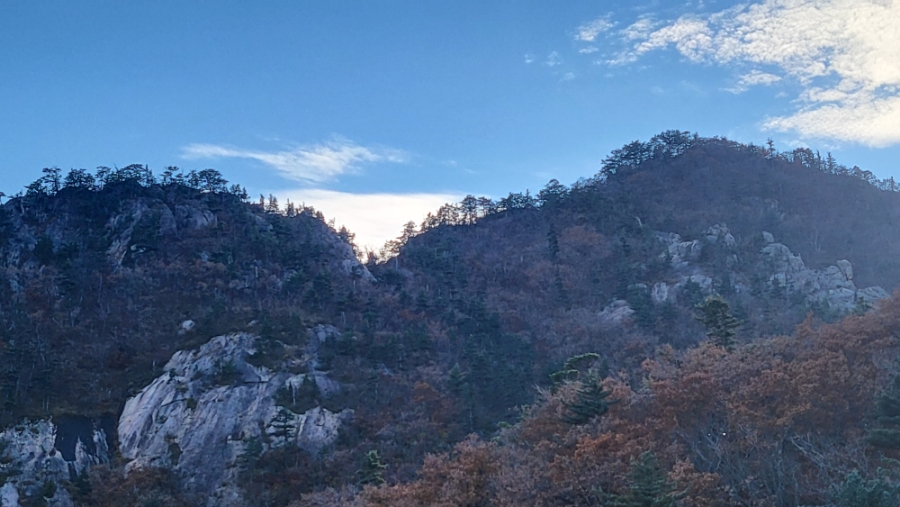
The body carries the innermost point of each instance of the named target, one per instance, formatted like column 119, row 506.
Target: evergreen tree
column 372, row 469
column 650, row 486
column 571, row 368
column 283, row 426
column 590, row 401
column 858, row 492
column 640, row 300
column 272, row 206
column 715, row 314
column 692, row 293
column 552, row 243
column 456, row 380
column 887, row 413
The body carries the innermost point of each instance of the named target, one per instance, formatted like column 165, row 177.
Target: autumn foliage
column 782, row 421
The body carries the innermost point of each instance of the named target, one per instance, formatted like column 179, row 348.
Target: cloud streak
column 373, row 218
column 844, row 54
column 310, row 163
column 754, row 78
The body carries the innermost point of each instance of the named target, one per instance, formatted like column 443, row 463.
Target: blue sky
column 376, row 112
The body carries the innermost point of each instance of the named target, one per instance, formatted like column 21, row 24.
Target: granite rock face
column 834, row 285
column 199, row 417
column 781, row 268
column 616, row 313
column 37, row 457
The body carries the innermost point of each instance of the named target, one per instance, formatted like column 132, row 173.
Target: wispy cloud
column 845, row 55
column 589, row 31
column 311, row 163
column 553, row 59
column 374, row 218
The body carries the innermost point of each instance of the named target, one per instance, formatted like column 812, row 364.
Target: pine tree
column 372, row 469
column 887, row 413
column 715, row 314
column 857, row 492
column 571, row 370
column 590, row 401
column 552, row 243
column 283, row 426
column 650, row 486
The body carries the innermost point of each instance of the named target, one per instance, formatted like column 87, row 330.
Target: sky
column 376, row 112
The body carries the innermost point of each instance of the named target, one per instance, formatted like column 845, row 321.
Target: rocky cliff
column 782, row 269
column 38, row 457
column 200, row 416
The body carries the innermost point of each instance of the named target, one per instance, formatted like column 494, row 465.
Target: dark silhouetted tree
column 590, row 401
column 887, row 414
column 650, row 486
column 372, row 469
column 715, row 314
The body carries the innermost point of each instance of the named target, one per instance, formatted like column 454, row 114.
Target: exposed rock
column 41, row 452
column 194, row 218
column 873, row 293
column 616, row 313
column 680, row 253
column 782, row 268
column 262, row 223
column 782, row 259
column 187, row 326
column 9, row 497
column 846, row 268
column 198, row 417
column 720, row 232
column 833, row 285
column 167, row 223
column 660, row 292
column 124, row 222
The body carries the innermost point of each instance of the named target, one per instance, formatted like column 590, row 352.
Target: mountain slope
column 124, row 294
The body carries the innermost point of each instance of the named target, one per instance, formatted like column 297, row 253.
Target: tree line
column 206, row 180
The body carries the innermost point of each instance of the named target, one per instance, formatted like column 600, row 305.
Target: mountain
column 166, row 342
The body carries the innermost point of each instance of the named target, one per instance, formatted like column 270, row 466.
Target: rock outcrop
column 37, row 457
column 781, row 268
column 198, row 418
column 833, row 286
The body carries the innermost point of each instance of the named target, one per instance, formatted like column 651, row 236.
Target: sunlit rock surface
column 199, row 416
column 38, row 457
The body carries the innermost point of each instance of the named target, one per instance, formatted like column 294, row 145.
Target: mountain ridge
column 109, row 277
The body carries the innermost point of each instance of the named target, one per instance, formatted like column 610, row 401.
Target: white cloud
column 845, row 54
column 639, row 29
column 553, row 59
column 529, row 58
column 374, row 218
column 588, row 50
column 568, row 76
column 313, row 163
column 754, row 78
column 589, row 31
